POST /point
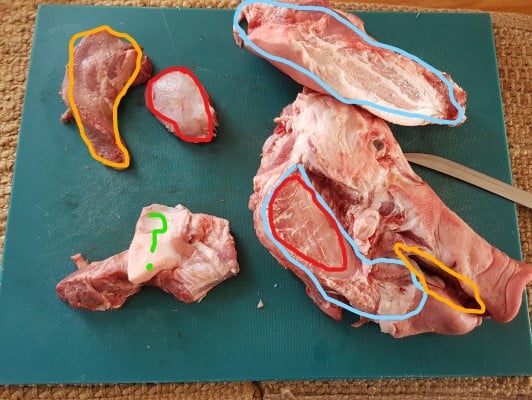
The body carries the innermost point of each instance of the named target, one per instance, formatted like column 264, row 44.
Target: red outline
column 322, row 209
column 204, row 95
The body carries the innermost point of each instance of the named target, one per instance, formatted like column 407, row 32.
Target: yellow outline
column 118, row 139
column 401, row 246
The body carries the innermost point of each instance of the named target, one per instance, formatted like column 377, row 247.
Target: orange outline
column 118, row 139
column 401, row 246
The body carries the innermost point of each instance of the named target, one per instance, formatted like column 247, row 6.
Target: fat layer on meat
column 200, row 245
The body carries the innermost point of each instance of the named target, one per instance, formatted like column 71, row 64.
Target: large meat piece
column 352, row 67
column 102, row 64
column 355, row 164
column 196, row 253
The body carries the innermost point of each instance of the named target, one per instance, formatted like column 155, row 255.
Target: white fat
column 342, row 71
column 169, row 251
column 177, row 97
column 392, row 301
column 364, row 226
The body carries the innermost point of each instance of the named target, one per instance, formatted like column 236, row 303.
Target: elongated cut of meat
column 102, row 65
column 196, row 253
column 179, row 101
column 352, row 67
column 357, row 167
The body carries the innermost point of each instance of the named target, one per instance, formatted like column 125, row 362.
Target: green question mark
column 154, row 234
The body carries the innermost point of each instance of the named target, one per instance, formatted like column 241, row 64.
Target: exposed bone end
column 67, row 116
column 80, row 261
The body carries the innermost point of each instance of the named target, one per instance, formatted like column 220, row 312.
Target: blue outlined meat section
column 243, row 35
column 298, row 168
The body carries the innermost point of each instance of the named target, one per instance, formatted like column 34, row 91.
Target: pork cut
column 98, row 286
column 354, row 163
column 102, row 65
column 200, row 245
column 179, row 101
column 352, row 67
column 196, row 253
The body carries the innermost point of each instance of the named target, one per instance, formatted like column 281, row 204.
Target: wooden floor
column 519, row 6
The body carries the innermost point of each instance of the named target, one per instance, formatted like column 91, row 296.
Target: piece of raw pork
column 102, row 65
column 196, row 253
column 356, row 165
column 350, row 65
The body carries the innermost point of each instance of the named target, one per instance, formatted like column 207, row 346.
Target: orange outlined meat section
column 118, row 140
column 400, row 250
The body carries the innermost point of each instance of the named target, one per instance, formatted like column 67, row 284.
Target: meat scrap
column 348, row 64
column 102, row 65
column 98, row 286
column 198, row 252
column 357, row 167
column 180, row 102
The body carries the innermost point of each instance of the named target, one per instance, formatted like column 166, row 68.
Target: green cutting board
column 64, row 202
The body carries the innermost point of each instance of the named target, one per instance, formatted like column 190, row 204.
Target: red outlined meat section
column 161, row 116
column 288, row 184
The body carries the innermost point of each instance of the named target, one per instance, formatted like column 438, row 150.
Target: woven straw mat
column 514, row 53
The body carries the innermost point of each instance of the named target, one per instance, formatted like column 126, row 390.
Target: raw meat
column 356, row 165
column 195, row 254
column 98, row 286
column 178, row 100
column 199, row 243
column 103, row 64
column 351, row 66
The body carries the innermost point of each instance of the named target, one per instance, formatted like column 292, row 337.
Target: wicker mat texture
column 513, row 36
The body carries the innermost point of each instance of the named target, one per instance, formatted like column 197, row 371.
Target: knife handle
column 471, row 176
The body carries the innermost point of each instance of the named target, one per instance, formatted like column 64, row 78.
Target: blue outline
column 267, row 229
column 364, row 36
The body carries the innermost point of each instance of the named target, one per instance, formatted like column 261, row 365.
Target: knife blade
column 471, row 176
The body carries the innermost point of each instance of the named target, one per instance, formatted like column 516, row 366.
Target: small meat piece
column 103, row 63
column 179, row 101
column 356, row 165
column 196, row 253
column 352, row 67
column 98, row 286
